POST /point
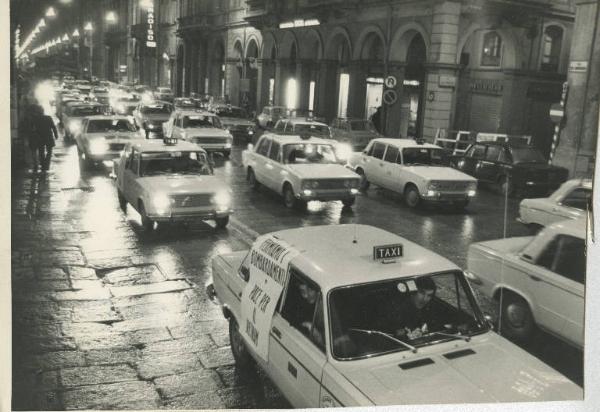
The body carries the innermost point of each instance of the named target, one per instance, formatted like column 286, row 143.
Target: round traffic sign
column 390, row 97
column 391, row 82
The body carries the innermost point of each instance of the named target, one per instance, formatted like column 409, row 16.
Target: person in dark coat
column 376, row 119
column 43, row 134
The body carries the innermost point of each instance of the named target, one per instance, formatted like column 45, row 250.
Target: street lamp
column 75, row 33
column 146, row 4
column 50, row 12
column 111, row 17
column 88, row 28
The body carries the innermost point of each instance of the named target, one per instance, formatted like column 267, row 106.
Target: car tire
column 412, row 198
column 251, row 178
column 516, row 318
column 147, row 223
column 364, row 183
column 122, row 201
column 289, row 199
column 349, row 202
column 243, row 359
column 222, row 222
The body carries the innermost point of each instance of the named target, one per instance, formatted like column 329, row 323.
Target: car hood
column 236, row 122
column 181, row 184
column 494, row 370
column 113, row 137
column 322, row 171
column 206, row 132
column 439, row 173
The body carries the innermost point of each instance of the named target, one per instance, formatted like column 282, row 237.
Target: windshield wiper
column 387, row 335
column 452, row 335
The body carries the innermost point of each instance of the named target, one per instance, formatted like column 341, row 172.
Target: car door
column 275, row 171
column 296, row 347
column 391, row 168
column 177, row 127
column 259, row 159
column 574, row 204
column 473, row 156
column 374, row 164
column 559, row 290
column 131, row 187
column 488, row 165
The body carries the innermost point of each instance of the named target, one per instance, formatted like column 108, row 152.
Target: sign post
column 557, row 115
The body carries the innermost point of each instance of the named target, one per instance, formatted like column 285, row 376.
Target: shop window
column 551, row 48
column 491, row 55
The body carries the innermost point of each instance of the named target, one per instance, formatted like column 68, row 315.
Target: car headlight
column 161, row 202
column 151, row 126
column 472, row 186
column 433, row 185
column 310, row 184
column 98, row 146
column 222, row 199
column 344, row 150
column 74, row 126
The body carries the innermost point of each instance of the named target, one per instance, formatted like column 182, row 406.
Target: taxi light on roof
column 170, row 141
column 388, row 253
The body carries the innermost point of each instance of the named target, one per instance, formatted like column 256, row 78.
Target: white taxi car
column 571, row 201
column 170, row 181
column 352, row 315
column 200, row 127
column 300, row 168
column 269, row 116
column 536, row 280
column 414, row 169
column 103, row 138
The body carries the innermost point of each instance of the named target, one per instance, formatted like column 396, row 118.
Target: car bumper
column 437, row 196
column 185, row 216
column 326, row 195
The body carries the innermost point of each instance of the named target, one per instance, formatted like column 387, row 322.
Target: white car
column 270, row 115
column 325, row 312
column 299, row 168
column 103, row 138
column 200, row 127
column 571, row 201
column 414, row 169
column 170, row 181
column 73, row 114
column 537, row 280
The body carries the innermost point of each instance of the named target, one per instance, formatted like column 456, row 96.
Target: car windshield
column 402, row 314
column 156, row 109
column 362, row 126
column 312, row 129
column 527, row 155
column 184, row 162
column 86, row 111
column 303, row 153
column 233, row 112
column 116, row 125
column 200, row 121
column 422, row 156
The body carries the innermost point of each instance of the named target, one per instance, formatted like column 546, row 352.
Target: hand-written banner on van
column 269, row 261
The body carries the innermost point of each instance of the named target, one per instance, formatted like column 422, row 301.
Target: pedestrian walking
column 43, row 135
column 376, row 119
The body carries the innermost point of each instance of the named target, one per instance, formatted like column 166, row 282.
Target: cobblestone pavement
column 106, row 318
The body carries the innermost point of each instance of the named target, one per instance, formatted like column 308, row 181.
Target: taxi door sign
column 388, row 252
column 269, row 262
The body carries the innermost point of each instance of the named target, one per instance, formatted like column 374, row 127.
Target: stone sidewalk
column 106, row 317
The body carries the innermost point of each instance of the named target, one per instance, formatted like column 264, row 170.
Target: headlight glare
column 98, row 146
column 161, row 202
column 222, row 199
column 344, row 151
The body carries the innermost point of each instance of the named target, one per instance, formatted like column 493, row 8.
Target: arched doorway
column 249, row 89
column 413, row 87
column 334, row 77
column 180, row 71
column 288, row 79
column 269, row 73
column 371, row 65
column 216, row 83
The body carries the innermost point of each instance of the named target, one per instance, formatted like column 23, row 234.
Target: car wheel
column 364, row 183
column 222, row 222
column 242, row 357
column 122, row 201
column 254, row 184
column 289, row 199
column 517, row 321
column 412, row 197
column 348, row 202
column 147, row 223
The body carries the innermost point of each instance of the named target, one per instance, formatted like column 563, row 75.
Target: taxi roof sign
column 387, row 253
column 170, row 141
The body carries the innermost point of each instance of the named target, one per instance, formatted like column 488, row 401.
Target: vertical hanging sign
column 150, row 34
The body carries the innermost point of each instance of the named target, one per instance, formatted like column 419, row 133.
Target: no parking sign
column 390, row 96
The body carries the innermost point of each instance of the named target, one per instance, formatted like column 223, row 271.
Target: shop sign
column 487, row 86
column 150, row 20
column 447, row 81
column 578, row 66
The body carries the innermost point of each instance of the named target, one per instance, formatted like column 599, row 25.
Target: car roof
column 404, row 143
column 341, row 255
column 157, row 145
column 294, row 138
column 108, row 117
column 156, row 103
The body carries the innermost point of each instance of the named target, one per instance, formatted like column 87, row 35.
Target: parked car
column 200, row 127
column 571, row 201
column 356, row 133
column 417, row 170
column 319, row 310
column 301, row 169
column 151, row 116
column 103, row 138
column 537, row 281
column 270, row 115
column 511, row 167
column 236, row 120
column 170, row 181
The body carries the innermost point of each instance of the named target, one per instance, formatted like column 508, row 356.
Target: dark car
column 164, row 93
column 236, row 120
column 151, row 116
column 510, row 167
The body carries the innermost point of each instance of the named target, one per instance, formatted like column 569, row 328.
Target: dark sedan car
column 510, row 167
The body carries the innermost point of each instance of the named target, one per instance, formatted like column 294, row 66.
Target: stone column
column 326, row 89
column 232, row 81
column 395, row 114
column 357, row 91
column 279, row 91
column 303, row 79
column 441, row 76
column 577, row 145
